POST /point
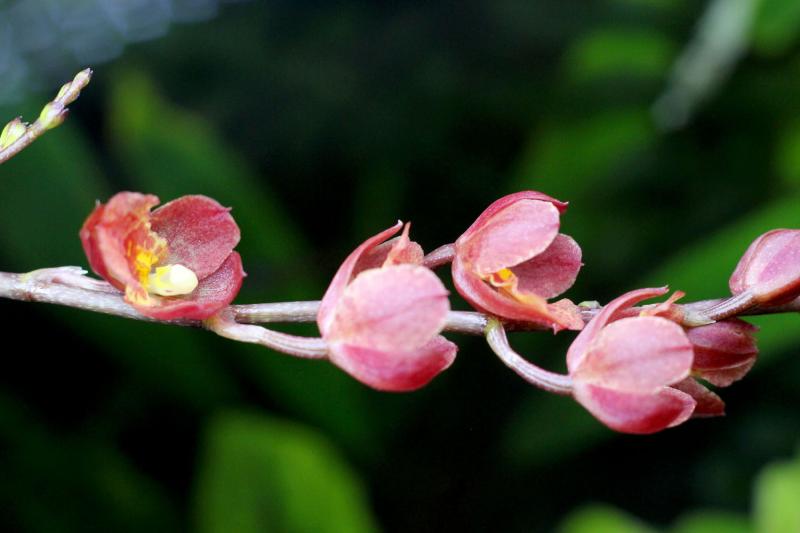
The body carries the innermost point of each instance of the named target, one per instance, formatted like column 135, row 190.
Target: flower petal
column 613, row 310
column 513, row 235
column 551, row 272
column 343, row 276
column 113, row 235
column 708, row 403
column 394, row 370
column 636, row 413
column 560, row 315
column 638, row 355
column 505, row 201
column 395, row 251
column 200, row 233
column 212, row 294
column 397, row 308
column 724, row 344
column 770, row 268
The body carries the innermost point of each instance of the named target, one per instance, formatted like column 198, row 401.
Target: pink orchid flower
column 769, row 271
column 630, row 372
column 512, row 259
column 382, row 314
column 176, row 262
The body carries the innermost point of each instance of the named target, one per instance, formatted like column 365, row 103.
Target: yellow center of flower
column 507, row 283
column 171, row 280
column 167, row 280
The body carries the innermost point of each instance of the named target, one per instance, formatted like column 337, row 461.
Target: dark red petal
column 213, row 293
column 636, row 413
column 505, row 201
column 613, row 310
column 395, row 371
column 724, row 344
column 725, row 377
column 487, row 299
column 551, row 272
column 89, row 241
column 200, row 233
column 515, row 234
column 113, row 233
column 343, row 276
column 708, row 403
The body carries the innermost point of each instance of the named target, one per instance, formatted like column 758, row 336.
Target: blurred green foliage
column 776, row 511
column 321, row 123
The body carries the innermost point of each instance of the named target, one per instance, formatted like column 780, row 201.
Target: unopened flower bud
column 13, row 131
column 769, row 271
column 724, row 351
column 52, row 115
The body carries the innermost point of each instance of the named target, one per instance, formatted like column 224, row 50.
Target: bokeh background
column 672, row 127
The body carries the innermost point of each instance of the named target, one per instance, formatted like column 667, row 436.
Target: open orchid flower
column 382, row 314
column 512, row 259
column 627, row 372
column 769, row 271
column 176, row 262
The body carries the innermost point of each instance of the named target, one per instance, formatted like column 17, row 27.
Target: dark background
column 671, row 126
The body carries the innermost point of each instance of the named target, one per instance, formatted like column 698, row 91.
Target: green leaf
column 712, row 522
column 602, row 519
column 570, row 157
column 259, row 474
column 787, row 157
column 776, row 498
column 777, row 26
column 619, row 52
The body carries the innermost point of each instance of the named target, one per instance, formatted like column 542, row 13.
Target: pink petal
column 501, row 203
column 343, row 276
column 200, row 233
column 392, row 252
column 708, row 403
column 551, row 272
column 770, row 268
column 395, row 308
column 212, row 294
column 724, row 344
column 515, row 234
column 638, row 355
column 615, row 309
column 636, row 413
column 485, row 298
column 394, row 370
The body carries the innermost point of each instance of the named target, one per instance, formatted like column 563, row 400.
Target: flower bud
column 13, row 131
column 724, row 351
column 769, row 271
column 52, row 115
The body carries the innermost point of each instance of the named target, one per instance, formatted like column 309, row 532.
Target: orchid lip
column 171, row 280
